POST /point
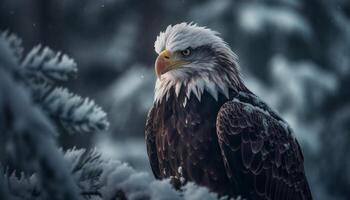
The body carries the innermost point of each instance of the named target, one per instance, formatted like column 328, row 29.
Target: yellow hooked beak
column 166, row 62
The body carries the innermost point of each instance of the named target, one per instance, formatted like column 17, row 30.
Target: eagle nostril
column 166, row 57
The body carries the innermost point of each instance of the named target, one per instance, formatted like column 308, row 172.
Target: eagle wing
column 151, row 144
column 262, row 158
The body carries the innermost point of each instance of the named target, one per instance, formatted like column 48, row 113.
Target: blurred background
column 294, row 54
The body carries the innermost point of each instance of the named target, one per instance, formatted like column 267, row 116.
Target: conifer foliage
column 27, row 133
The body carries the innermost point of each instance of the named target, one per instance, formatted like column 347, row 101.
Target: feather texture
column 269, row 153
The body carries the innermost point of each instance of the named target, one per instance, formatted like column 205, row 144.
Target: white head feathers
column 182, row 36
column 215, row 76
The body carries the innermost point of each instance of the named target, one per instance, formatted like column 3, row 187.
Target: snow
column 31, row 127
column 10, row 46
column 43, row 62
column 27, row 132
column 255, row 18
column 40, row 69
column 117, row 176
column 194, row 192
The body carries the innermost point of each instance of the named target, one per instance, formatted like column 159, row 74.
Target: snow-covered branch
column 98, row 178
column 42, row 62
column 27, row 137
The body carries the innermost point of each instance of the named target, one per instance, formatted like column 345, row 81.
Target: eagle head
column 194, row 59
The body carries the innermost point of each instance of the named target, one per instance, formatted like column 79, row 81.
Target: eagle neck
column 195, row 87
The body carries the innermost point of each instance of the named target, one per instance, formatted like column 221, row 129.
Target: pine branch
column 99, row 178
column 75, row 113
column 29, row 132
column 10, row 51
column 15, row 44
column 43, row 63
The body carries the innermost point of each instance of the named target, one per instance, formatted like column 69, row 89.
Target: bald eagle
column 207, row 127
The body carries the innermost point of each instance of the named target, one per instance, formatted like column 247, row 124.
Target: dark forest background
column 294, row 54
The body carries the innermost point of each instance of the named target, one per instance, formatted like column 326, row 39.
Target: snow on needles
column 99, row 178
column 42, row 61
column 41, row 68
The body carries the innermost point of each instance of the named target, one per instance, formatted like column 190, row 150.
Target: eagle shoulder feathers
column 259, row 148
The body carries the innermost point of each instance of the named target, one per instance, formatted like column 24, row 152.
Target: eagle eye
column 186, row 52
